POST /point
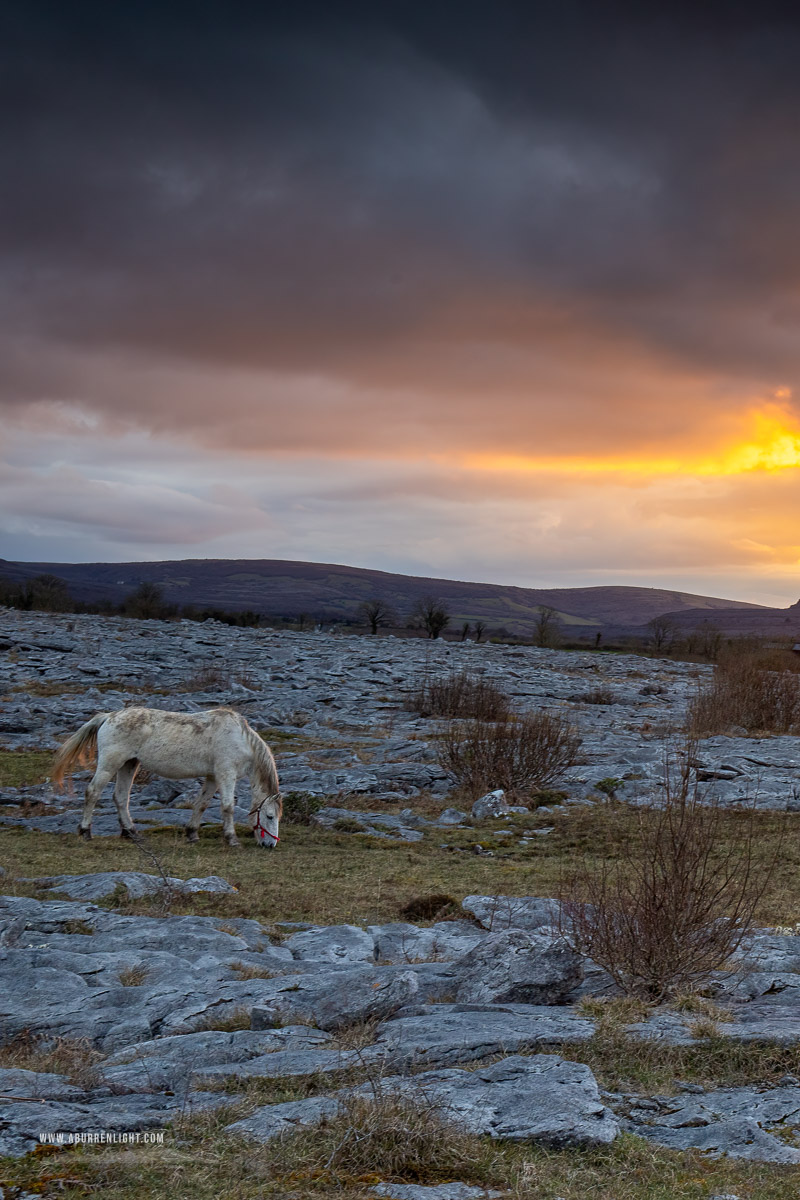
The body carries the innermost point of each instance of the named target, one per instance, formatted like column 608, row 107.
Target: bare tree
column 663, row 632
column 466, row 630
column 377, row 613
column 547, row 627
column 480, row 630
column 147, row 602
column 710, row 640
column 433, row 615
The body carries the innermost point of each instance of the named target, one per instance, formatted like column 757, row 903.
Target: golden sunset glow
column 773, row 445
column 508, row 294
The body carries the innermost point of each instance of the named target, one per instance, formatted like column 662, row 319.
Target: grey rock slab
column 376, row 824
column 335, row 1000
column 444, row 941
column 512, row 912
column 739, row 1138
column 439, row 1191
column 542, row 1099
column 517, row 966
column 277, row 1119
column 334, row 943
column 166, row 1063
column 447, row 1034
column 23, row 1122
column 281, row 1064
column 136, row 883
column 36, row 1085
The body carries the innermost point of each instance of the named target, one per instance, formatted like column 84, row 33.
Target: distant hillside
column 741, row 622
column 281, row 588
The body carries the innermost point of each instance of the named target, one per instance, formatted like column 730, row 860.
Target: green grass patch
column 327, row 877
column 20, row 768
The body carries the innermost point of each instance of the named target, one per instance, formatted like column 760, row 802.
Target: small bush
column 299, row 807
column 521, row 755
column 348, row 825
column 747, row 691
column 459, row 695
column 425, row 908
column 680, row 902
column 609, row 786
column 384, row 1136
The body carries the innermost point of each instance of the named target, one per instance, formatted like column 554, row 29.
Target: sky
column 490, row 290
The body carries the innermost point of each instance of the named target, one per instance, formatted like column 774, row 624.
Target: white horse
column 218, row 745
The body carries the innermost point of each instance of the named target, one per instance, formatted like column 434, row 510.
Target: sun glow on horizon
column 772, row 444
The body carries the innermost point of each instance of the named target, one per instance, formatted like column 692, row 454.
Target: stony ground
column 202, row 994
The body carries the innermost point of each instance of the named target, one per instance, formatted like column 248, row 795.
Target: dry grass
column 751, row 692
column 133, row 976
column 376, row 878
column 649, row 1066
column 521, row 755
column 225, row 1022
column 22, row 768
column 681, row 905
column 200, row 1160
column 75, row 1058
column 459, row 695
column 248, row 971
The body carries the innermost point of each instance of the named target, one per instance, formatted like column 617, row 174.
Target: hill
column 282, row 588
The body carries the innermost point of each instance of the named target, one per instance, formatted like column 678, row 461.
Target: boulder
column 334, row 943
column 518, row 967
column 493, row 804
column 445, row 941
column 512, row 912
column 334, row 1000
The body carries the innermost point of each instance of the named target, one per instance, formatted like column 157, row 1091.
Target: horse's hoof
column 234, row 842
column 86, row 834
column 129, row 834
column 192, row 835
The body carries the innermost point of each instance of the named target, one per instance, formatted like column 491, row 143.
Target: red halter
column 260, row 832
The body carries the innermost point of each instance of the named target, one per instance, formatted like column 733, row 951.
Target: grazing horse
column 218, row 745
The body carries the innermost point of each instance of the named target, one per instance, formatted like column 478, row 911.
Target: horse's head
column 264, row 820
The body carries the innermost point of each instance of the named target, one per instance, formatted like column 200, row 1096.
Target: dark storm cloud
column 370, row 192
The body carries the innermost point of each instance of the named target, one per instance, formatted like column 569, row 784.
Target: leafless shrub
column 749, row 692
column 427, row 908
column 521, row 755
column 459, row 695
column 679, row 904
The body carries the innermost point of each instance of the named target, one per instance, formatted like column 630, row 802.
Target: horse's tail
column 264, row 767
column 78, row 750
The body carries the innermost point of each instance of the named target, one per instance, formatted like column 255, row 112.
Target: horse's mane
column 264, row 767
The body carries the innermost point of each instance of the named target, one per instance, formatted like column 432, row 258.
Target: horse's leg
column 227, row 788
column 101, row 777
column 199, row 806
column 122, row 791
